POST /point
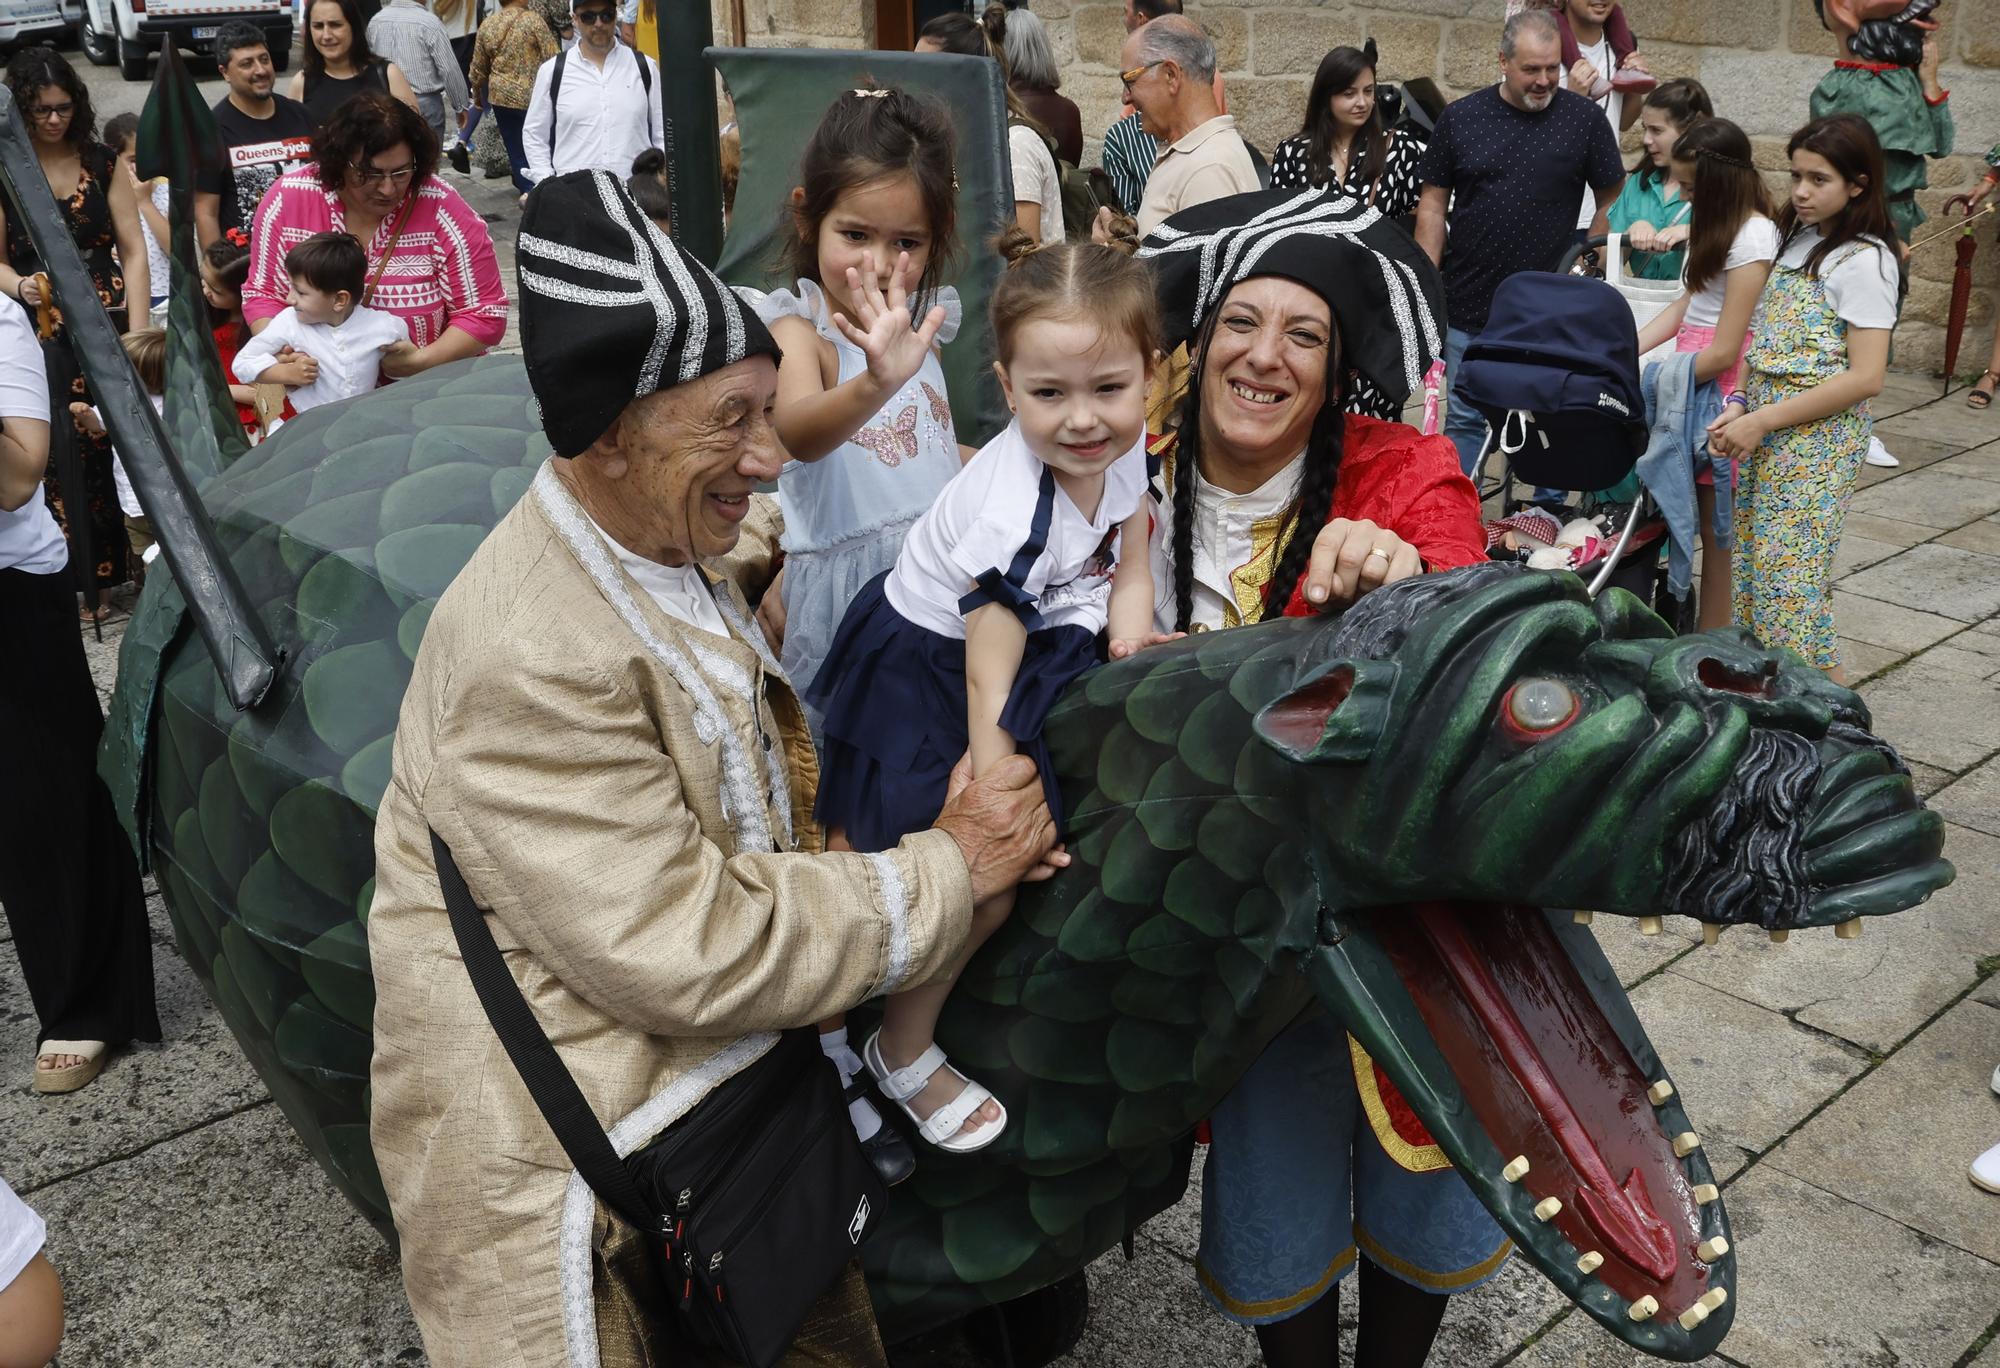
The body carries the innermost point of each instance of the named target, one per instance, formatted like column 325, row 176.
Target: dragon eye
column 1537, row 708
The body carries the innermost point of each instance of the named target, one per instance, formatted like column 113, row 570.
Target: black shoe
column 891, row 1155
column 887, row 1150
column 460, row 159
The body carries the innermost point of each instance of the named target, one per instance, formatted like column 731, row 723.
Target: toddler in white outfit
column 336, row 342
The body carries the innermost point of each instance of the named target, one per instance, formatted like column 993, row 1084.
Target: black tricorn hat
column 612, row 309
column 1386, row 296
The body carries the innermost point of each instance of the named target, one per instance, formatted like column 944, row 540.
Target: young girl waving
column 861, row 396
column 1818, row 349
column 1729, row 259
column 994, row 606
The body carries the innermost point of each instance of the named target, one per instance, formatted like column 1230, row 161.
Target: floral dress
column 88, row 210
column 1792, row 503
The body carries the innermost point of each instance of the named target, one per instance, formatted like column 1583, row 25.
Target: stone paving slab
column 1930, row 498
column 1899, row 1141
column 1863, row 662
column 1885, row 625
column 1973, row 800
column 223, row 1248
column 1823, row 1282
column 1875, row 991
column 1745, row 1074
column 1946, row 580
column 1577, row 1341
column 1936, row 715
column 194, row 1074
column 1889, row 530
column 1982, row 536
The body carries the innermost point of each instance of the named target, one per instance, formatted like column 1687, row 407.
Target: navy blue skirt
column 893, row 696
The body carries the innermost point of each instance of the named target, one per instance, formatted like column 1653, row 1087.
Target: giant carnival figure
column 1389, row 814
column 1887, row 74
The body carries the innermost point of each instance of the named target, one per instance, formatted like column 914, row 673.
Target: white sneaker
column 1878, row 455
column 1986, row 1170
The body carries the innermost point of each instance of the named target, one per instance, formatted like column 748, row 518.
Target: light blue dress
column 846, row 513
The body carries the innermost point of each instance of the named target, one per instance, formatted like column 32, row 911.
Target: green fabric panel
column 780, row 94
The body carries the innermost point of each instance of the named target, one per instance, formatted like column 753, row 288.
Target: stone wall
column 1758, row 58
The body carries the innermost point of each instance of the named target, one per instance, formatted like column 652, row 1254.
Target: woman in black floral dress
column 1343, row 142
column 103, row 217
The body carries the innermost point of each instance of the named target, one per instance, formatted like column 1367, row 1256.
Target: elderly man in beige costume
column 622, row 772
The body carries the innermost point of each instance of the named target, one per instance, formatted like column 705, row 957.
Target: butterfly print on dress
column 895, row 444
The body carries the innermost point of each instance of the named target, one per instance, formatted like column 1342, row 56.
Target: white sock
column 860, row 1111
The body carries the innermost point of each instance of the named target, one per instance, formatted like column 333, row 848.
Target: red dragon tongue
column 1551, row 1083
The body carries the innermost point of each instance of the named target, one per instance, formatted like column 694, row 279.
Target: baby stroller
column 1555, row 374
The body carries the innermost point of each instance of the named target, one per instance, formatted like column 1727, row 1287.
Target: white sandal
column 941, row 1128
column 70, row 1077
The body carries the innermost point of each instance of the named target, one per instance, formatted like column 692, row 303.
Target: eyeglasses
column 596, row 16
column 375, row 175
column 1127, row 77
column 43, row 113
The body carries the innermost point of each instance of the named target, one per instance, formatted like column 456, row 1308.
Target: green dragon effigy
column 1387, row 814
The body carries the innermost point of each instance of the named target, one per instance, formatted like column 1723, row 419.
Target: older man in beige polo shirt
column 1169, row 78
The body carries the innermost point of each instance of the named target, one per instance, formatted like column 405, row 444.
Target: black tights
column 1398, row 1325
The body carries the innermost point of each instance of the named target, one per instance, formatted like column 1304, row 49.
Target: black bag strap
column 555, row 90
column 561, row 1102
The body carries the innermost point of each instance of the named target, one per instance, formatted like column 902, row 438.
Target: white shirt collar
column 679, row 590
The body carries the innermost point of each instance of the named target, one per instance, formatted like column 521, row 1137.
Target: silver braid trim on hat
column 742, row 805
column 656, row 293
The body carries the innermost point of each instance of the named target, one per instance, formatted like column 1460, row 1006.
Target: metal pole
column 690, row 135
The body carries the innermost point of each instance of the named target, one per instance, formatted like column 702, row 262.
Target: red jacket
column 1399, row 479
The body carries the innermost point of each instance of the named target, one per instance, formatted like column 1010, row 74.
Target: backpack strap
column 555, row 89
column 646, row 93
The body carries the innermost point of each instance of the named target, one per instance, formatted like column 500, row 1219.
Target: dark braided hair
column 1321, row 474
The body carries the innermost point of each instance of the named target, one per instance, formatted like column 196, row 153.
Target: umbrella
column 1961, row 283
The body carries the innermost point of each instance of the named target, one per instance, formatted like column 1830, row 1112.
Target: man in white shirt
column 596, row 106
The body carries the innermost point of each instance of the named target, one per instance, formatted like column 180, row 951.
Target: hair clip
column 1724, row 158
column 873, row 94
column 237, row 237
column 954, row 179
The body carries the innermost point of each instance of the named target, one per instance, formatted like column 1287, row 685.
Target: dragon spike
column 1780, row 937
column 1516, row 1170
column 1704, row 1193
column 1711, row 932
column 1714, row 1298
column 1708, row 1251
column 1693, row 1316
column 1650, row 926
column 1643, row 1309
column 1581, row 918
column 1659, row 1092
column 1686, row 1143
column 1548, row 1208
column 1848, row 930
column 1590, row 1262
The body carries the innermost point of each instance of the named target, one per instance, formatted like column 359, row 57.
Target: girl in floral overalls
column 1819, row 347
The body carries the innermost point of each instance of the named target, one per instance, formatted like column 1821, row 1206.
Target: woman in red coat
column 1273, row 500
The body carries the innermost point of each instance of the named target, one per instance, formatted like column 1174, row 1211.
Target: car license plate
column 206, row 31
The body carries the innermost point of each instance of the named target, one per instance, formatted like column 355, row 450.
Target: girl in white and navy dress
column 994, row 606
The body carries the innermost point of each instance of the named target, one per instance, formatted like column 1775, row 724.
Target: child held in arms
column 326, row 345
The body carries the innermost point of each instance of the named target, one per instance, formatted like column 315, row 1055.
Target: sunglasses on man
column 595, row 16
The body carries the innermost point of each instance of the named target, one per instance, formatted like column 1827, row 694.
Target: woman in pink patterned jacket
column 430, row 258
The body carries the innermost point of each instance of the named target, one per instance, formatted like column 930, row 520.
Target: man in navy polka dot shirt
column 1510, row 163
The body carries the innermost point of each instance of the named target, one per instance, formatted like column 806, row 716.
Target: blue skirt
column 893, row 698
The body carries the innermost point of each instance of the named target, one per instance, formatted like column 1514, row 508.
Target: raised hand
column 885, row 333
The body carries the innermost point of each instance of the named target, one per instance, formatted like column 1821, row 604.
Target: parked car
column 30, row 21
column 129, row 31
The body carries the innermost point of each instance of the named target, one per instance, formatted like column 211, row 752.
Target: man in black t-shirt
column 1511, row 163
column 263, row 134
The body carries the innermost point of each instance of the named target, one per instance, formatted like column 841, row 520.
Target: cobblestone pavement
column 1841, row 1087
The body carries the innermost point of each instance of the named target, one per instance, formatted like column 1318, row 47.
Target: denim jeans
column 510, row 122
column 1462, row 423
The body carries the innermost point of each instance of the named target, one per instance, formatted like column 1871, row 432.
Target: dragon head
column 1881, row 30
column 1494, row 735
column 1489, row 745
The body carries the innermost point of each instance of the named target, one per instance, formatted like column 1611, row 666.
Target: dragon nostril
column 1715, row 675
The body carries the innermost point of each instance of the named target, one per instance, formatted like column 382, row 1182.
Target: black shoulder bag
column 758, row 1196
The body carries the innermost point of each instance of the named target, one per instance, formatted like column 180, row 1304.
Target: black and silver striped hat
column 612, row 309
